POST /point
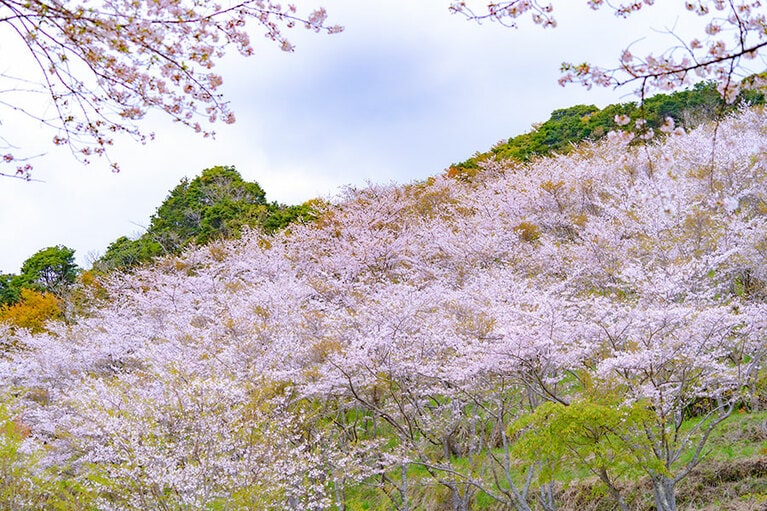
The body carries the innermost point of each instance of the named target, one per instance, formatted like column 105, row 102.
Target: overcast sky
column 403, row 92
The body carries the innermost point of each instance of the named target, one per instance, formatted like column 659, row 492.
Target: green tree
column 283, row 216
column 51, row 269
column 125, row 252
column 9, row 288
column 597, row 434
column 216, row 204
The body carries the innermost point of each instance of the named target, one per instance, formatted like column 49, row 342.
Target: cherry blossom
column 732, row 37
column 104, row 66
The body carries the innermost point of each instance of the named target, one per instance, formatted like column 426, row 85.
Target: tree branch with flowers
column 102, row 67
column 733, row 33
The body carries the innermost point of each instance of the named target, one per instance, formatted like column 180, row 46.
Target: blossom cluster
column 733, row 34
column 104, row 65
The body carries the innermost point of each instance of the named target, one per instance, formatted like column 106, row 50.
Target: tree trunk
column 519, row 498
column 460, row 502
column 664, row 492
column 614, row 492
column 547, row 497
column 403, row 488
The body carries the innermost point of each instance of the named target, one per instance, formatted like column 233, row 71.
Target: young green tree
column 593, row 433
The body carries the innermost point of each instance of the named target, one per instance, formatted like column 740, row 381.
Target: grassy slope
column 733, row 478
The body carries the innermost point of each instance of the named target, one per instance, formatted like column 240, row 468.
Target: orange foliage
column 32, row 311
column 461, row 173
column 528, row 231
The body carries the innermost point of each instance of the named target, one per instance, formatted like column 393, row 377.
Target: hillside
column 588, row 326
column 215, row 205
column 569, row 126
column 218, row 204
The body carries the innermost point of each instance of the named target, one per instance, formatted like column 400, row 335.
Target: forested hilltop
column 584, row 331
column 218, row 204
column 568, row 126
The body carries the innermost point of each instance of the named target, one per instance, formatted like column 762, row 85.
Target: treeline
column 217, row 204
column 568, row 126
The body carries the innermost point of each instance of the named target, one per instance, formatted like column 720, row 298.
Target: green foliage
column 14, row 469
column 51, row 269
column 125, row 252
column 568, row 126
column 23, row 485
column 596, row 434
column 34, row 296
column 9, row 289
column 283, row 216
column 215, row 205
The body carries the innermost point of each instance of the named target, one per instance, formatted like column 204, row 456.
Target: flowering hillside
column 435, row 334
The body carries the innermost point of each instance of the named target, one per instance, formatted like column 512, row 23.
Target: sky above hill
column 406, row 90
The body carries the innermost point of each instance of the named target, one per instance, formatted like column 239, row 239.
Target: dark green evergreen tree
column 214, row 205
column 9, row 289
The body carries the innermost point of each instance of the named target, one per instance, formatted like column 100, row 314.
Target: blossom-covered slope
column 411, row 326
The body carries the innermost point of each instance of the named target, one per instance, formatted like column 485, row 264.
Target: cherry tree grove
column 413, row 337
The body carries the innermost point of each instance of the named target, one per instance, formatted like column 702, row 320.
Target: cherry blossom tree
column 101, row 67
column 732, row 36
